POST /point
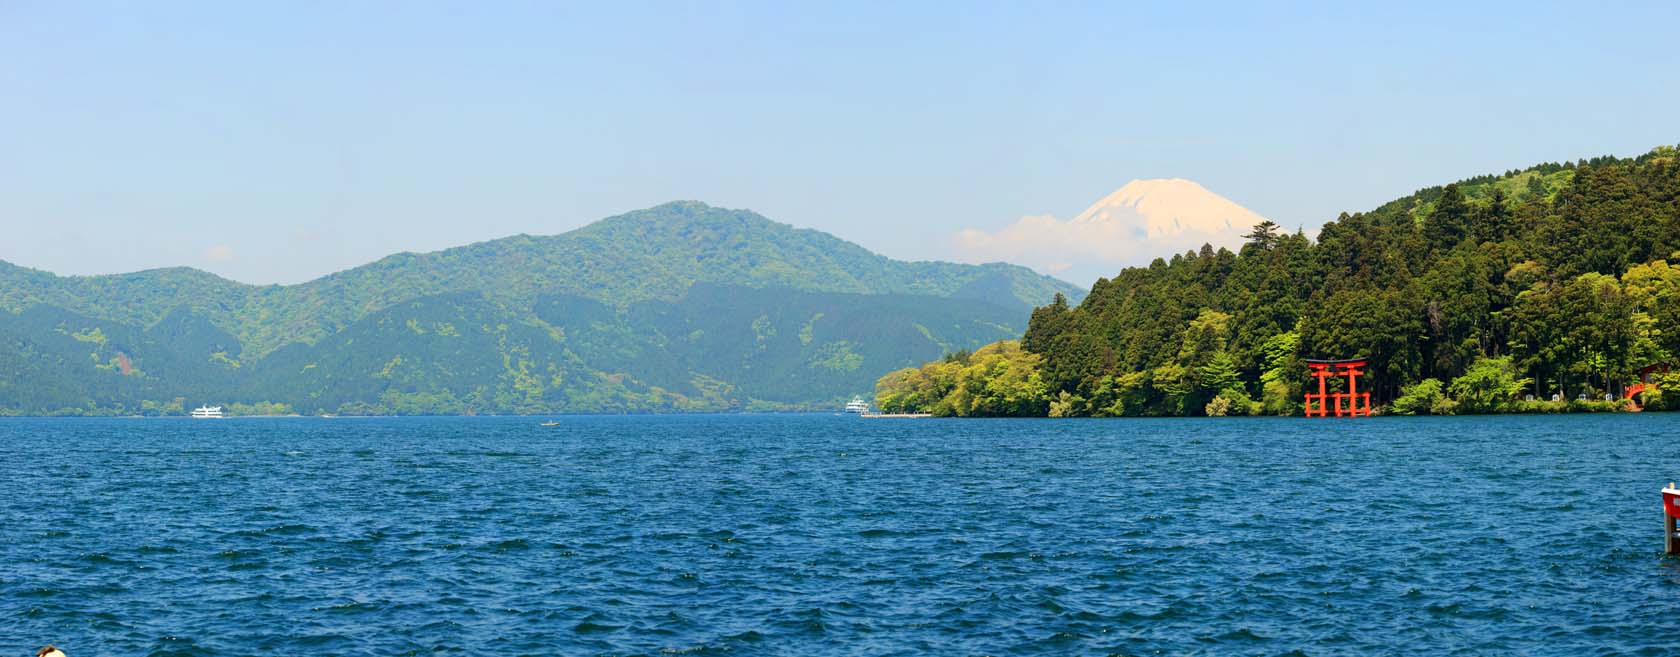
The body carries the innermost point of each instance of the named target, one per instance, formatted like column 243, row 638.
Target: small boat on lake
column 550, row 423
column 857, row 405
column 207, row 412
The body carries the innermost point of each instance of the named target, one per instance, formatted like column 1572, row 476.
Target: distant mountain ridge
column 647, row 254
column 634, row 268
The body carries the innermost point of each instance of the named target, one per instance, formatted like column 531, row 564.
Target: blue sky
column 276, row 142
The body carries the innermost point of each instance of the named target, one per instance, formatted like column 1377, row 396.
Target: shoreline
column 889, row 416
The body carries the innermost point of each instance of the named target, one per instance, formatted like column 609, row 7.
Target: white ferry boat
column 857, row 405
column 207, row 412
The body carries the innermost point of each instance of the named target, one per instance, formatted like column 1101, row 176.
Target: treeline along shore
column 677, row 308
column 1547, row 289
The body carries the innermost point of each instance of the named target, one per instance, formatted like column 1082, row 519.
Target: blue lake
column 827, row 535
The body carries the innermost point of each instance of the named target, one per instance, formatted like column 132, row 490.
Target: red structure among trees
column 1645, row 374
column 1348, row 403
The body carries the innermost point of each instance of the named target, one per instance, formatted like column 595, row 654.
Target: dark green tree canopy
column 1557, row 271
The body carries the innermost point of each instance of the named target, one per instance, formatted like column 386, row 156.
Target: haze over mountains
column 678, row 307
column 1141, row 220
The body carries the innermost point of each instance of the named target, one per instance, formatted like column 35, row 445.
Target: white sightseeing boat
column 857, row 405
column 207, row 412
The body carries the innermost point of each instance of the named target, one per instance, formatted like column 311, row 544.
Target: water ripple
column 821, row 535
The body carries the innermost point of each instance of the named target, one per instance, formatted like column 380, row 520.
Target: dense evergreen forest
column 1500, row 293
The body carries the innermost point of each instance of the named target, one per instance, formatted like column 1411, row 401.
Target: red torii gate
column 1351, row 403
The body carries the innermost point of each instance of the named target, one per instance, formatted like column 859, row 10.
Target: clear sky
column 279, row 141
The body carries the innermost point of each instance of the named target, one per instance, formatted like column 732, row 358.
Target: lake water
column 826, row 535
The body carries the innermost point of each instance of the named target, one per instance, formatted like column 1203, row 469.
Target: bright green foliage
column 258, row 408
column 1231, row 401
column 1664, row 393
column 1219, row 373
column 1422, row 398
column 1204, row 337
column 1219, row 407
column 1278, row 397
column 1280, row 381
column 1490, row 385
column 1552, row 277
column 1653, row 290
column 679, row 307
column 94, row 335
column 998, row 380
column 657, row 253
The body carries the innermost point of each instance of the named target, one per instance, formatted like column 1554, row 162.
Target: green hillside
column 678, row 307
column 1469, row 297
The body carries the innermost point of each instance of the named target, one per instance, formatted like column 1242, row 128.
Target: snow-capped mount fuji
column 1165, row 207
column 1141, row 220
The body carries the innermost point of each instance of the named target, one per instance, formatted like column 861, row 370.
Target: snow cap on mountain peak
column 1141, row 220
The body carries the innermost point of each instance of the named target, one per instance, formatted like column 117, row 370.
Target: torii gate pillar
column 1351, row 402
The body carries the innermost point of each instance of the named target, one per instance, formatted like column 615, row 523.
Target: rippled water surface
column 825, row 535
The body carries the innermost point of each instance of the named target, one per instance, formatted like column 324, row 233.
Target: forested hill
column 655, row 253
column 1551, row 280
column 678, row 307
